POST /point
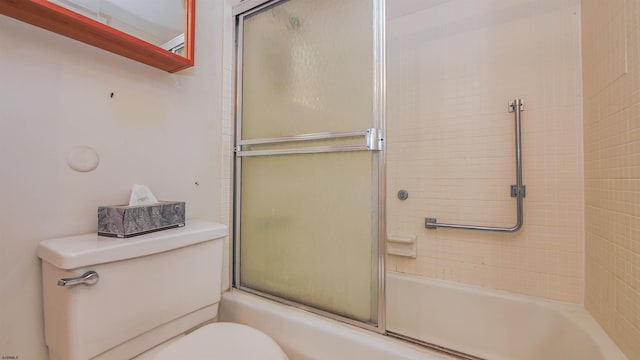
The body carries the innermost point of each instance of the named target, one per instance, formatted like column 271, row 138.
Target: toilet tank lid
column 90, row 249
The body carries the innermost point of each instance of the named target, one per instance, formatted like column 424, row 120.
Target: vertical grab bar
column 518, row 190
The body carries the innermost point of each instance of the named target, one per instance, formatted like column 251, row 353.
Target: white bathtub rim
column 390, row 346
column 572, row 312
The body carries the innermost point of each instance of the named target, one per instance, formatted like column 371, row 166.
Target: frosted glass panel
column 308, row 222
column 307, row 68
column 308, row 229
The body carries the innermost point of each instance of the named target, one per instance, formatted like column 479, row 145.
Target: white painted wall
column 159, row 129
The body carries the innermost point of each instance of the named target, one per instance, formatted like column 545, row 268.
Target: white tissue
column 141, row 195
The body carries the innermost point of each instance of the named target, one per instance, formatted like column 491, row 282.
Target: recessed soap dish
column 402, row 245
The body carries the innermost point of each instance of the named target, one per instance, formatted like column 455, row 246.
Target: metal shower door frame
column 374, row 140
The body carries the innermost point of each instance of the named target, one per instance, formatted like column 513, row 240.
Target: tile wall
column 452, row 67
column 611, row 61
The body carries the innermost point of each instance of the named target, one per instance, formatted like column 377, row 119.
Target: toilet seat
column 223, row 341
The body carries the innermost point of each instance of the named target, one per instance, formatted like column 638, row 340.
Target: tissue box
column 125, row 221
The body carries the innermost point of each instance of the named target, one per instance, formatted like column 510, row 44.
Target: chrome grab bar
column 88, row 278
column 305, row 137
column 372, row 137
column 518, row 190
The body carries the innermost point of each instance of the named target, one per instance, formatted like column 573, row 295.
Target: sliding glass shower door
column 308, row 155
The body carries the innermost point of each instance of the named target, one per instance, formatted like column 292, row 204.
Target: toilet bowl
column 108, row 298
column 223, row 341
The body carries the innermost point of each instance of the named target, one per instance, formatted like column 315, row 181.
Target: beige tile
column 449, row 128
column 612, row 167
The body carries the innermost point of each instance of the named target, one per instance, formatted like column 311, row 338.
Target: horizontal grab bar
column 373, row 139
column 306, row 150
column 306, row 137
column 516, row 106
column 431, row 223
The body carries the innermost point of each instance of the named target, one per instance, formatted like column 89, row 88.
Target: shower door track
column 434, row 347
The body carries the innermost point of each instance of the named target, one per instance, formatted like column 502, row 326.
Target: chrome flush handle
column 88, row 278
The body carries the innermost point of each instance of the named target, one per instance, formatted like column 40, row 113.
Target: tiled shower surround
column 611, row 61
column 452, row 68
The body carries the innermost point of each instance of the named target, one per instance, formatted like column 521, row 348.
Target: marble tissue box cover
column 125, row 221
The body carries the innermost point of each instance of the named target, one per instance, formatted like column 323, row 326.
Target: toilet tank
column 150, row 289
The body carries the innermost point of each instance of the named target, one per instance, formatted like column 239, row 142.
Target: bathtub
column 492, row 324
column 487, row 324
column 305, row 336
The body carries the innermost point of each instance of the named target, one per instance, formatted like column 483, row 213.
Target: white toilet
column 109, row 298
